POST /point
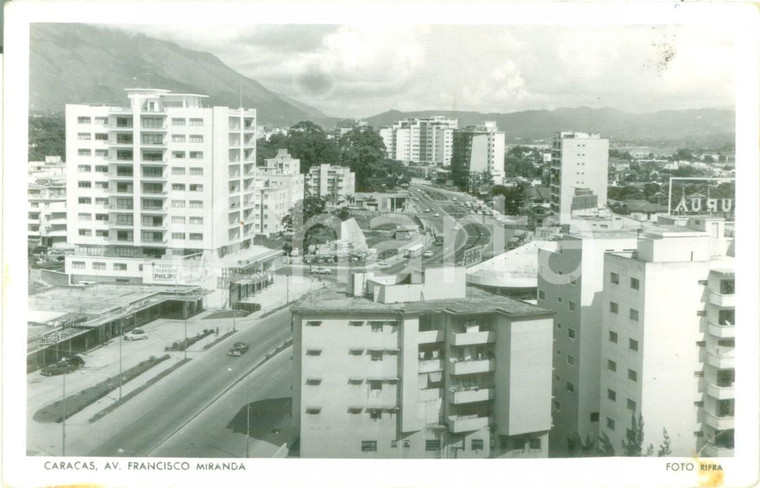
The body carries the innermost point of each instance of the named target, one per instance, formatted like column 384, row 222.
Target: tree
column 312, row 205
column 343, row 213
column 47, row 137
column 288, row 248
column 633, row 445
column 665, row 445
column 514, row 196
column 363, row 151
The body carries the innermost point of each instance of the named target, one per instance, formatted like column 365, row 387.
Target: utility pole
column 184, row 315
column 63, row 439
column 121, row 339
column 247, row 416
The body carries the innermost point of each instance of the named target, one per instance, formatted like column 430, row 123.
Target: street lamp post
column 63, row 423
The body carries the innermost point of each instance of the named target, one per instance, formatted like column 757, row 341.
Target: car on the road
column 238, row 349
column 321, row 270
column 436, row 214
column 383, row 266
column 428, row 254
column 60, row 367
column 74, row 360
column 135, row 335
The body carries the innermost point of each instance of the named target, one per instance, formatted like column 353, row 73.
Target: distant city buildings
column 578, row 174
column 333, row 182
column 281, row 185
column 46, row 215
column 420, row 140
column 420, row 367
column 480, row 151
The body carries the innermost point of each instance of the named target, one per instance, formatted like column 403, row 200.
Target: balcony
column 719, row 423
column 714, row 450
column 470, row 338
column 721, row 331
column 471, row 395
column 160, row 210
column 721, row 360
column 429, row 365
column 472, row 366
column 467, row 423
column 430, row 394
column 430, row 336
column 723, row 301
column 721, row 392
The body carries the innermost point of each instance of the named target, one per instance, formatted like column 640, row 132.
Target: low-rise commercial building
column 420, row 366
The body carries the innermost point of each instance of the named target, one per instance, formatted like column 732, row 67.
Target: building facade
column 570, row 282
column 668, row 340
column 480, row 151
column 421, row 140
column 281, row 186
column 421, row 367
column 46, row 216
column 578, row 176
column 333, row 182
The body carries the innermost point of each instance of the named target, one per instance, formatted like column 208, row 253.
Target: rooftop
column 517, row 268
column 335, row 300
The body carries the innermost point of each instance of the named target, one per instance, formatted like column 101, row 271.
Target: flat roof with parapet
column 334, row 300
column 249, row 256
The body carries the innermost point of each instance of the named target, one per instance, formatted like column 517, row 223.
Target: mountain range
column 79, row 63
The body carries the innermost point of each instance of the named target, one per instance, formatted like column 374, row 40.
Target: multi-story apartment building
column 164, row 176
column 281, row 186
column 330, row 181
column 570, row 282
column 420, row 366
column 426, row 141
column 46, row 217
column 480, row 150
column 668, row 339
column 578, row 176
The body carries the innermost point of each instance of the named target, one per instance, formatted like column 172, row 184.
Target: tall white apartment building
column 420, row 367
column 281, row 185
column 578, row 174
column 162, row 176
column 480, row 150
column 330, row 181
column 668, row 339
column 421, row 140
column 570, row 282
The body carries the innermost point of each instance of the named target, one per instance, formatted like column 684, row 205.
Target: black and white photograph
column 271, row 242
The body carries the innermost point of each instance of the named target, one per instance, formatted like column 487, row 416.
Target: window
column 377, row 326
column 195, row 171
column 632, row 375
column 99, row 266
column 613, row 337
column 432, row 445
column 313, row 411
column 83, row 120
column 119, row 267
column 101, row 201
column 196, row 220
column 100, row 136
column 196, row 138
column 375, row 385
column 196, row 187
column 611, row 395
column 610, row 423
column 101, row 217
column 369, row 446
column 355, row 381
column 701, row 313
column 178, row 138
column 124, row 155
column 571, row 333
column 556, row 405
column 84, row 136
column 630, row 405
column 314, row 323
column 84, row 152
column 634, row 283
column 611, row 365
column 84, row 216
column 101, row 233
column 593, row 417
column 633, row 345
column 354, row 410
column 85, row 232
column 84, row 200
column 613, row 307
column 101, row 153
column 571, row 306
column 178, row 170
column 101, row 169
column 541, row 295
column 633, row 314
column 196, row 154
column 178, row 235
column 152, row 122
column 570, row 360
column 375, row 413
column 178, row 186
column 178, row 121
column 196, row 122
column 356, row 352
column 196, row 204
column 727, row 317
column 534, row 443
column 376, row 355
column 314, row 352
column 196, row 236
column 178, row 154
column 476, row 444
column 77, row 264
column 699, row 374
column 178, row 204
column 313, row 381
column 558, row 326
column 727, row 287
column 570, row 387
column 152, row 139
column 614, row 278
column 559, row 299
column 177, row 219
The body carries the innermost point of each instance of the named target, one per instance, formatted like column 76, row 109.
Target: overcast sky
column 358, row 71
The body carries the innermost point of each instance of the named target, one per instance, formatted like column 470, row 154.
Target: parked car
column 238, row 349
column 428, row 254
column 321, row 270
column 74, row 360
column 135, row 335
column 57, row 368
column 383, row 266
